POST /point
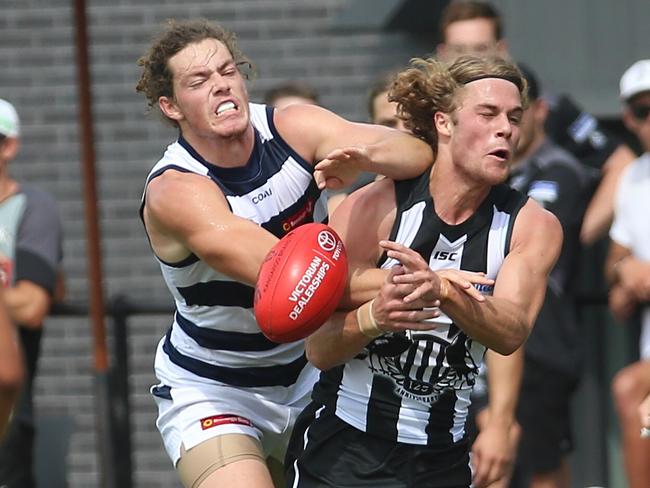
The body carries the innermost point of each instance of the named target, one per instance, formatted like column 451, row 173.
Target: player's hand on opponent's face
column 428, row 285
column 341, row 167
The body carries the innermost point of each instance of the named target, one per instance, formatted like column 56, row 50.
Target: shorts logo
column 215, row 420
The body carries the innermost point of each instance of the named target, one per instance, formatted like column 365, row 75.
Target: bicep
column 200, row 219
column 314, row 132
column 536, row 245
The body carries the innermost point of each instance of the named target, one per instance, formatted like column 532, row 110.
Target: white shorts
column 200, row 409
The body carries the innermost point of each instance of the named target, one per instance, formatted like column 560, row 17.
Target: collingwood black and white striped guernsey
column 214, row 335
column 414, row 387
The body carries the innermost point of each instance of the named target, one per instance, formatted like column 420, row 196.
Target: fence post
column 120, row 405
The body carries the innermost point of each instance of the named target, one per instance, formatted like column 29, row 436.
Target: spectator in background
column 11, row 367
column 468, row 27
column 30, row 258
column 552, row 357
column 290, row 92
column 628, row 272
column 381, row 111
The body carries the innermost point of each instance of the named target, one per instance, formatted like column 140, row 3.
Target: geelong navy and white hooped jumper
column 214, row 335
column 414, row 387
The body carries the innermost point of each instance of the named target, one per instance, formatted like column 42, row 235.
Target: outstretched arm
column 600, row 212
column 11, row 366
column 503, row 321
column 494, row 450
column 185, row 213
column 345, row 148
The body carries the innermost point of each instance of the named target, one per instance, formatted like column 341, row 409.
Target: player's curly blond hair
column 156, row 79
column 429, row 86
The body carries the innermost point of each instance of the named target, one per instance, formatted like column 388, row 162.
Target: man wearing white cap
column 628, row 271
column 30, row 255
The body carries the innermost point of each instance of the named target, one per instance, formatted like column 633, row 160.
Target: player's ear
column 170, row 109
column 442, row 122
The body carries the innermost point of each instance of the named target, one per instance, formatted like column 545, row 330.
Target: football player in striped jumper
column 240, row 176
column 390, row 407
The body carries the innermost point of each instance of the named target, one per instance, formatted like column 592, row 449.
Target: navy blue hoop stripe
column 281, row 375
column 224, row 293
column 223, row 340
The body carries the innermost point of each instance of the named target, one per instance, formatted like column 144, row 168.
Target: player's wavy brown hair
column 429, row 86
column 156, row 79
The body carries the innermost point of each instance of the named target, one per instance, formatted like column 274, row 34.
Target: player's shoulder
column 536, row 223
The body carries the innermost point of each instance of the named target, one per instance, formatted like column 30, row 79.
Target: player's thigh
column 232, row 460
column 247, row 473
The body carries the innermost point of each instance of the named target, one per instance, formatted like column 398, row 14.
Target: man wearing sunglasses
column 628, row 271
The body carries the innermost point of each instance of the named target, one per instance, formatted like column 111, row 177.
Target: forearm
column 363, row 286
column 27, row 304
column 599, row 213
column 497, row 323
column 11, row 367
column 504, row 381
column 400, row 156
column 336, row 342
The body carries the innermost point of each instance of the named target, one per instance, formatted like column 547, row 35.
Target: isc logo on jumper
column 444, row 255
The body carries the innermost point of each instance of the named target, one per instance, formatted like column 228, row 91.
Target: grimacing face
column 485, row 129
column 210, row 96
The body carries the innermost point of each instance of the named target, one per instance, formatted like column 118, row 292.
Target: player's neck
column 456, row 197
column 225, row 152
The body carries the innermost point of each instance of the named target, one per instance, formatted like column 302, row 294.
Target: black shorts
column 16, row 457
column 544, row 412
column 326, row 452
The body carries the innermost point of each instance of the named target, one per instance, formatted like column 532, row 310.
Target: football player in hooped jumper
column 390, row 406
column 240, row 176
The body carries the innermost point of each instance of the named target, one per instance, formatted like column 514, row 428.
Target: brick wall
column 285, row 39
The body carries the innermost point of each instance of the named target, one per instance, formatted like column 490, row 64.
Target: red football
column 300, row 283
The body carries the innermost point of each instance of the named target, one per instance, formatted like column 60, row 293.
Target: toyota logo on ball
column 326, row 241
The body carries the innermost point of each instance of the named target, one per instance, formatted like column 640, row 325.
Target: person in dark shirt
column 30, row 257
column 475, row 27
column 557, row 181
